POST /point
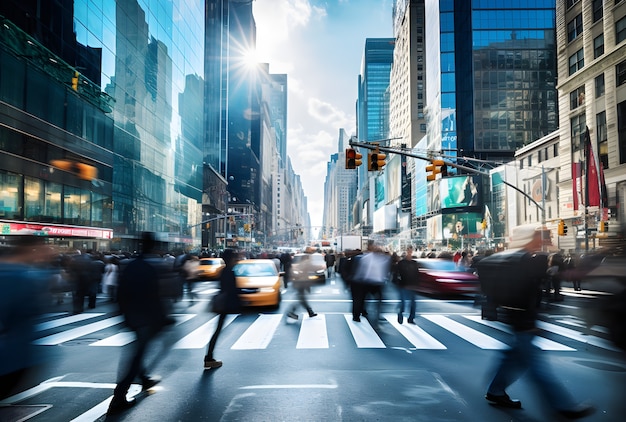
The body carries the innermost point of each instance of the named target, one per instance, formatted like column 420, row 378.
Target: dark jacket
column 138, row 294
column 228, row 288
column 512, row 280
column 408, row 273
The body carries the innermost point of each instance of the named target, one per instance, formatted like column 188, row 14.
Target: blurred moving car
column 308, row 269
column 210, row 268
column 444, row 277
column 258, row 282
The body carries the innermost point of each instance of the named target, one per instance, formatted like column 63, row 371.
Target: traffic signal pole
column 399, row 151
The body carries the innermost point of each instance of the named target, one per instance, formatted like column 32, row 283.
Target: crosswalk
column 430, row 332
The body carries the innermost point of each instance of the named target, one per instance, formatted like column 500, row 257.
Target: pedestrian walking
column 407, row 273
column 144, row 313
column 330, row 263
column 370, row 271
column 303, row 288
column 225, row 302
column 109, row 278
column 190, row 268
column 524, row 269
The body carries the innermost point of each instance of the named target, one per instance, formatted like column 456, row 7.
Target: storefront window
column 54, row 211
column 10, row 186
column 33, row 199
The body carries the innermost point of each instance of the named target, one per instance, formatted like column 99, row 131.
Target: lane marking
column 66, row 320
column 313, row 333
column 575, row 335
column 290, row 386
column 466, row 333
column 199, row 337
column 259, row 334
column 74, row 333
column 364, row 335
column 414, row 334
column 541, row 342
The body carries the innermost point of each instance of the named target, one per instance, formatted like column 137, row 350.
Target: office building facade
column 117, row 86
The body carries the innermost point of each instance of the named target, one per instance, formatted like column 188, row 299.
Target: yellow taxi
column 210, row 268
column 258, row 282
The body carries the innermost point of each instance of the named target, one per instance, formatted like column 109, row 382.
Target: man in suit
column 517, row 278
column 144, row 313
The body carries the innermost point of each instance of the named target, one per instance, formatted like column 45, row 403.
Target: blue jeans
column 407, row 295
column 525, row 356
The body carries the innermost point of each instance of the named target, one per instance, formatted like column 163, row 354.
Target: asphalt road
column 326, row 368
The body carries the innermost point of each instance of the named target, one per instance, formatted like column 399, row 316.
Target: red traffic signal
column 353, row 158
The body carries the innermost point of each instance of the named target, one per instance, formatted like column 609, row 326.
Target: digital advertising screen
column 460, row 191
column 462, row 225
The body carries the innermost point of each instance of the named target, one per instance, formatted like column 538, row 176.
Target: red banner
column 36, row 229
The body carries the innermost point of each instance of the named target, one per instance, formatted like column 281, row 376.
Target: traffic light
column 75, row 81
column 353, row 158
column 81, row 170
column 376, row 161
column 436, row 167
column 562, row 228
column 208, row 225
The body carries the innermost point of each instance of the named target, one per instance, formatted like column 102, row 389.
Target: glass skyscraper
column 117, row 85
column 491, row 75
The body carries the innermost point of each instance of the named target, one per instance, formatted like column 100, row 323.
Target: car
column 210, row 268
column 308, row 269
column 444, row 277
column 258, row 282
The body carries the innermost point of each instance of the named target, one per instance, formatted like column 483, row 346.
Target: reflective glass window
column 575, row 27
column 602, row 139
column 53, row 203
column 10, row 195
column 577, row 97
column 578, row 126
column 599, row 85
column 576, row 61
column 598, row 11
column 33, row 199
column 620, row 71
column 620, row 30
column 598, row 46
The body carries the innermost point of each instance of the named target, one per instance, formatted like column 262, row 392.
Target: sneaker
column 212, row 363
column 292, row 315
column 503, row 400
column 580, row 411
column 119, row 405
column 149, row 382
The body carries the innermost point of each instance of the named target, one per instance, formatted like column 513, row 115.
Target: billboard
column 460, row 191
column 465, row 225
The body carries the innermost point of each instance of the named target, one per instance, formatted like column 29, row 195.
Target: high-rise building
column 372, row 117
column 113, row 85
column 591, row 38
column 491, row 89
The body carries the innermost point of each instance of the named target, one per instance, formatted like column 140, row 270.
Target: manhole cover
column 20, row 413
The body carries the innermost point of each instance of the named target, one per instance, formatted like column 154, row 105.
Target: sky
column 319, row 45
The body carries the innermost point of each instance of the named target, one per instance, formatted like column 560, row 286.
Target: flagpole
column 586, row 169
